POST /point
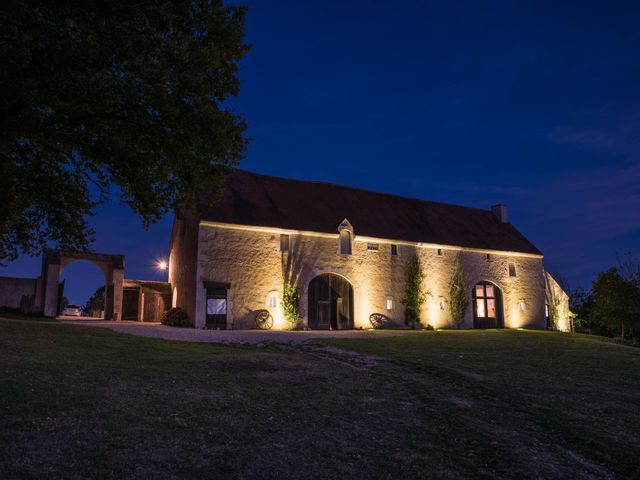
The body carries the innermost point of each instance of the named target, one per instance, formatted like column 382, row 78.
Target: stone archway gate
column 53, row 263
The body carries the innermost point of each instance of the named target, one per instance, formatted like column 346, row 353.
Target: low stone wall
column 18, row 293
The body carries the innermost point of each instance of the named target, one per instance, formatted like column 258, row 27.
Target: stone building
column 347, row 250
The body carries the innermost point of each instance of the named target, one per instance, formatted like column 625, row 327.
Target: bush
column 175, row 317
column 291, row 305
column 458, row 300
column 414, row 296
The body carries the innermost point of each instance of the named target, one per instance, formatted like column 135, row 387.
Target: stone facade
column 557, row 305
column 249, row 259
column 183, row 250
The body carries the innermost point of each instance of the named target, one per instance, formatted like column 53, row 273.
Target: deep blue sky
column 534, row 104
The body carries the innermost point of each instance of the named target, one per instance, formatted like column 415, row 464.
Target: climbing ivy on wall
column 555, row 311
column 414, row 295
column 291, row 304
column 458, row 300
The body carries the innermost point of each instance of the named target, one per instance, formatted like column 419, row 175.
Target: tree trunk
column 622, row 333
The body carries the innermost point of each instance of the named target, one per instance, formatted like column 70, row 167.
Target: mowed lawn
column 85, row 402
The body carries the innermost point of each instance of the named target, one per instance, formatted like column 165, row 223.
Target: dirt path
column 156, row 330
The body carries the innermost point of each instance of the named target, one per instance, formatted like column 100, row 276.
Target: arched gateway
column 330, row 303
column 54, row 262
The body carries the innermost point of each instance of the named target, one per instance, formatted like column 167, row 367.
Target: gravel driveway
column 156, row 330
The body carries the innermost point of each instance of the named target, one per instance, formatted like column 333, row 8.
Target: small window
column 440, row 252
column 272, row 300
column 389, row 303
column 216, row 306
column 345, row 242
column 284, row 243
column 372, row 247
column 394, row 249
column 512, row 269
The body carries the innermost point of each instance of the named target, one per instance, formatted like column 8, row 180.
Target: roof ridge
column 360, row 189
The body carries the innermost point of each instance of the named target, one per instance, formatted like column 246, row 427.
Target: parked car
column 72, row 310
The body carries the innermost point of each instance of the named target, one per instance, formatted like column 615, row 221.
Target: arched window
column 487, row 306
column 345, row 242
column 345, row 230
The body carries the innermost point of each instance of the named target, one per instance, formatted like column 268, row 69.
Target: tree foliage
column 458, row 297
column 616, row 302
column 96, row 301
column 414, row 295
column 612, row 307
column 101, row 94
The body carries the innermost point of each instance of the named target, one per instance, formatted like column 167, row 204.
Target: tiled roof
column 261, row 200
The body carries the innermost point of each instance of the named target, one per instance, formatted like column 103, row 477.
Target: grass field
column 82, row 402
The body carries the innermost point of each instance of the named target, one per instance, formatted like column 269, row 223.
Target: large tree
column 616, row 301
column 97, row 94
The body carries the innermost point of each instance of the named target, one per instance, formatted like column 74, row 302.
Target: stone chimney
column 501, row 212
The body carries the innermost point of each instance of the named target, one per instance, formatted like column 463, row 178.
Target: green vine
column 459, row 302
column 414, row 296
column 555, row 311
column 291, row 304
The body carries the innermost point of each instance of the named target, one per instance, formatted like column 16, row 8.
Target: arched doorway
column 330, row 303
column 487, row 306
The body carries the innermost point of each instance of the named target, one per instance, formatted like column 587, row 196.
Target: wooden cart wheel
column 378, row 320
column 264, row 320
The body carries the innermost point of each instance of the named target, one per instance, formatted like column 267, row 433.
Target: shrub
column 175, row 317
column 291, row 305
column 458, row 300
column 414, row 295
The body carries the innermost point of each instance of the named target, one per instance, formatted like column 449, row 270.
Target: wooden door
column 60, row 296
column 330, row 302
column 130, row 302
column 487, row 306
column 323, row 309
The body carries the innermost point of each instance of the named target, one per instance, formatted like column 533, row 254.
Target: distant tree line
column 612, row 307
column 95, row 304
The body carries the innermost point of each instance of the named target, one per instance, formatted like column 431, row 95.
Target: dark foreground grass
column 83, row 402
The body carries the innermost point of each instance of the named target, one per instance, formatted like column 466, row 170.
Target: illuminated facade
column 347, row 252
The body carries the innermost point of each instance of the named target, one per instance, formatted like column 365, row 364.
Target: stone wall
column 182, row 263
column 558, row 302
column 18, row 293
column 251, row 262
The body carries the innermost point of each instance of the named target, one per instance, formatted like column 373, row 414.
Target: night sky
column 534, row 104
